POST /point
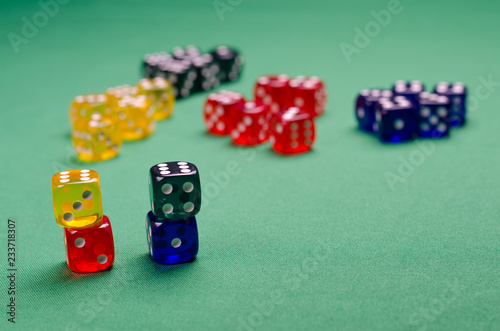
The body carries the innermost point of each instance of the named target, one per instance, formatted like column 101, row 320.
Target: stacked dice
column 100, row 122
column 175, row 194
column 408, row 111
column 87, row 231
column 282, row 111
column 191, row 71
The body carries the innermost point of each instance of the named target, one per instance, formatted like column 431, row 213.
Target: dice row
column 101, row 122
column 172, row 233
column 190, row 70
column 88, row 236
column 175, row 196
column 282, row 112
column 407, row 111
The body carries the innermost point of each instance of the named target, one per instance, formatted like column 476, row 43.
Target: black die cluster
column 190, row 70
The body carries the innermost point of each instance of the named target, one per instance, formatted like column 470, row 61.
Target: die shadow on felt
column 146, row 258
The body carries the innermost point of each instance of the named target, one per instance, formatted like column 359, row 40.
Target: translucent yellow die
column 116, row 93
column 97, row 139
column 161, row 93
column 76, row 195
column 135, row 116
column 84, row 106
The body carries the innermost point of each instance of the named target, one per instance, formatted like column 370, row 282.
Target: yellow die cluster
column 76, row 196
column 100, row 122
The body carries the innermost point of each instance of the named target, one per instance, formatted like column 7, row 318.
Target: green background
column 322, row 234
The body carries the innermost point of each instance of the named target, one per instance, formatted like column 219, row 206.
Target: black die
column 175, row 190
column 230, row 63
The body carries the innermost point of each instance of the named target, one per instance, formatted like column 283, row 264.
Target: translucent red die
column 90, row 249
column 250, row 123
column 292, row 131
column 218, row 109
column 307, row 93
column 272, row 91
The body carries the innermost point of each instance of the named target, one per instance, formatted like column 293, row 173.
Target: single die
column 396, row 120
column 174, row 190
column 181, row 74
column 409, row 89
column 206, row 72
column 292, row 131
column 76, row 196
column 83, row 107
column 116, row 93
column 249, row 123
column 91, row 249
column 135, row 117
column 150, row 63
column 433, row 115
column 218, row 110
column 272, row 91
column 172, row 242
column 97, row 139
column 307, row 93
column 230, row 63
column 161, row 93
column 457, row 93
column 365, row 108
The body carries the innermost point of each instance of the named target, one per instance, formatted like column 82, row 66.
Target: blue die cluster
column 171, row 229
column 407, row 111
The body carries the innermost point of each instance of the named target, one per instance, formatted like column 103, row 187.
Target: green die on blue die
column 174, row 190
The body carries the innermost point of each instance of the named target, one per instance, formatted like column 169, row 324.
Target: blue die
column 433, row 116
column 396, row 120
column 365, row 107
column 409, row 89
column 457, row 93
column 172, row 242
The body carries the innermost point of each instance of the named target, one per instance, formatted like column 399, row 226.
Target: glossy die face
column 230, row 63
column 396, row 120
column 116, row 93
column 206, row 72
column 272, row 91
column 219, row 109
column 307, row 93
column 98, row 139
column 250, row 123
column 433, row 116
column 410, row 90
column 90, row 250
column 365, row 108
column 175, row 190
column 135, row 116
column 150, row 63
column 292, row 131
column 181, row 74
column 457, row 93
column 160, row 92
column 84, row 107
column 173, row 241
column 76, row 196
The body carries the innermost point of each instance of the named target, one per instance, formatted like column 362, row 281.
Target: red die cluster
column 282, row 112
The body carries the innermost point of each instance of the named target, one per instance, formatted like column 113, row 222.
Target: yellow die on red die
column 76, row 195
column 84, row 106
column 161, row 93
column 97, row 139
column 135, row 116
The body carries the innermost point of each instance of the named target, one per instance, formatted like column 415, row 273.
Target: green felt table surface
column 315, row 241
